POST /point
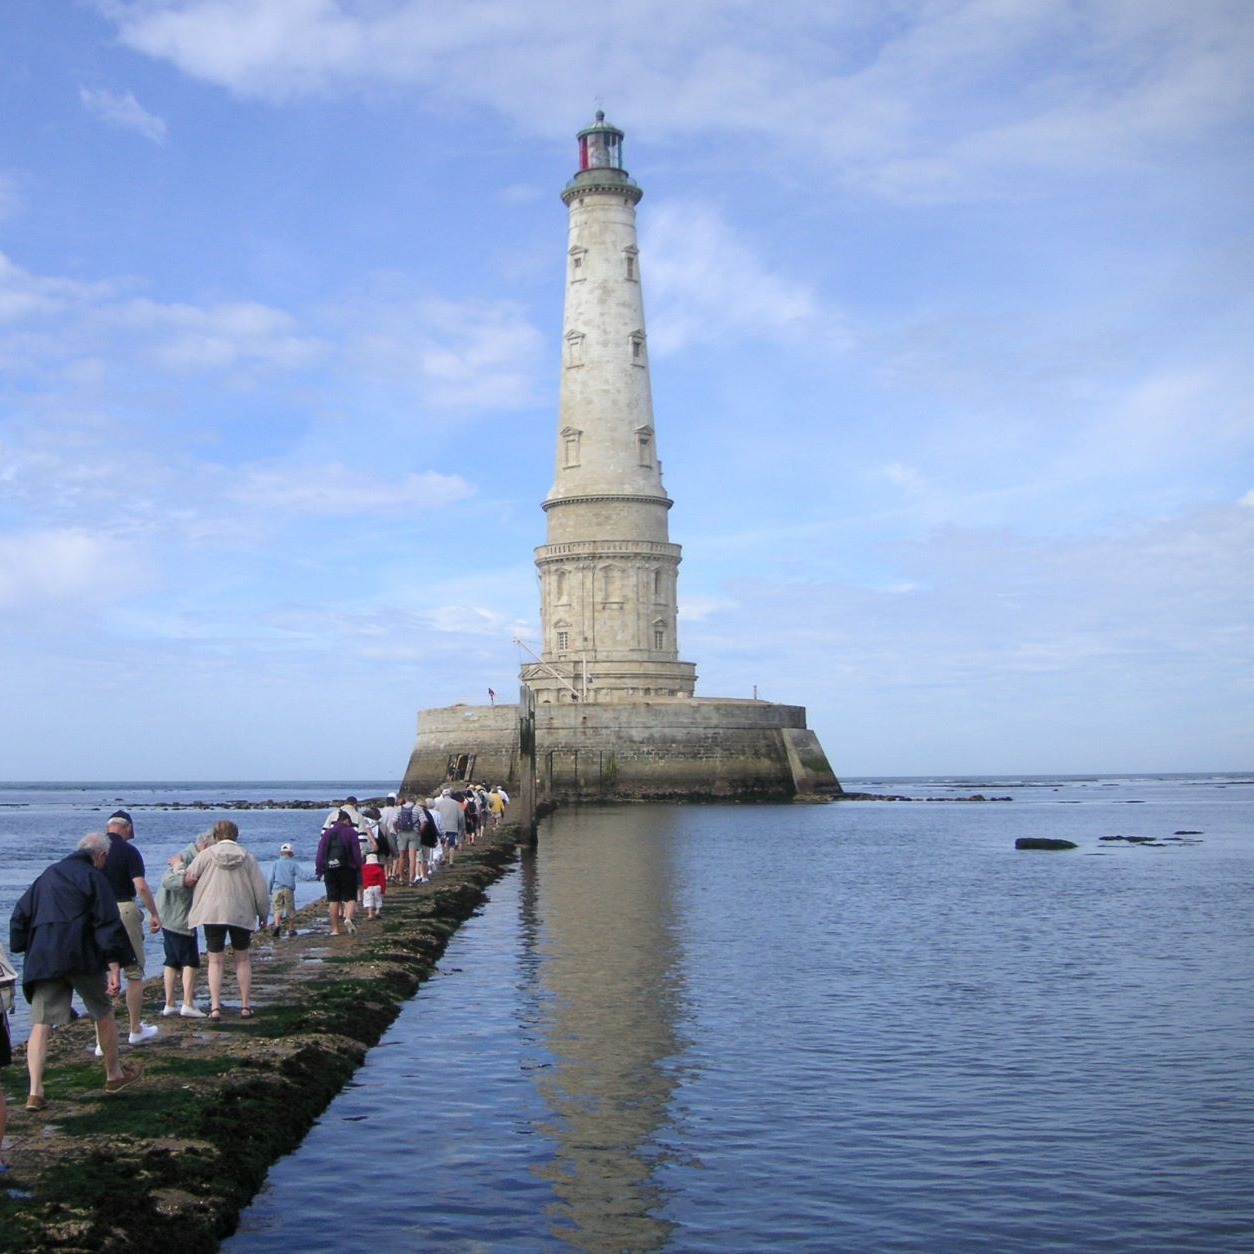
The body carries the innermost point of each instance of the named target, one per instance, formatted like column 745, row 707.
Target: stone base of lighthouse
column 662, row 749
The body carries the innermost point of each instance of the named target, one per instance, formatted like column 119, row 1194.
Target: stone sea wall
column 663, row 749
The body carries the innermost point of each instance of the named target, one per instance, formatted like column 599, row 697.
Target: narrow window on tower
column 636, row 340
column 657, row 585
column 629, row 258
column 659, row 638
column 574, row 349
column 570, row 446
column 577, row 268
column 644, row 446
column 563, row 641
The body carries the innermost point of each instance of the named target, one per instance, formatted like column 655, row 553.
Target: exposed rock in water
column 1043, row 842
column 881, row 796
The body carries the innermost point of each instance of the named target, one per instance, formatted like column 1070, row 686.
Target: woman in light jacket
column 230, row 897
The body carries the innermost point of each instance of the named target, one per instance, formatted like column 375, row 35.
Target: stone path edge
column 172, row 1161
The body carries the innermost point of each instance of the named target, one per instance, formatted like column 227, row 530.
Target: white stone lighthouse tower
column 608, row 572
column 608, row 711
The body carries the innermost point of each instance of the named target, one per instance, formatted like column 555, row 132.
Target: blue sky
column 949, row 305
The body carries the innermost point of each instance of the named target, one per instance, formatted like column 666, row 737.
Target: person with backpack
column 407, row 844
column 428, row 843
column 454, row 820
column 386, row 836
column 337, row 865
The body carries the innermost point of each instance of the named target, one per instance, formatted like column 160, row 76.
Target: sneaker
column 167, row 1011
column 191, row 1012
column 146, row 1033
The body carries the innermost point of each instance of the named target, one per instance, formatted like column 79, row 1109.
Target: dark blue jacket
column 67, row 923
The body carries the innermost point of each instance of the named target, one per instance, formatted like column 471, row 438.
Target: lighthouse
column 608, row 573
column 607, row 710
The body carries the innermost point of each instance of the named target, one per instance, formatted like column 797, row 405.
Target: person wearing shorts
column 182, row 954
column 408, row 844
column 68, row 925
column 338, row 866
column 124, row 869
column 453, row 820
column 282, row 884
column 230, row 898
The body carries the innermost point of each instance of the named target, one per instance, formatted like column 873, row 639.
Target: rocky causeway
column 171, row 1161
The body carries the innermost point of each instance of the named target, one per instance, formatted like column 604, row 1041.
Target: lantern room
column 601, row 146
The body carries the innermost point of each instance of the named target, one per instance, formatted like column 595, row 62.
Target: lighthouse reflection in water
column 849, row 1027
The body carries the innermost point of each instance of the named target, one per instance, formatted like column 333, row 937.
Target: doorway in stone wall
column 461, row 766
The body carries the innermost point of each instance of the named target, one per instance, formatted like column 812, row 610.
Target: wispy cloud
column 1081, row 649
column 706, row 283
column 122, row 110
column 44, row 572
column 336, row 490
column 923, row 101
column 459, row 356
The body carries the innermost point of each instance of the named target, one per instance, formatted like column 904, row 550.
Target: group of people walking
column 81, row 931
column 363, row 851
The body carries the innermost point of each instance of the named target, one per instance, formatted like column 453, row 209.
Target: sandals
column 215, row 1012
column 245, row 1012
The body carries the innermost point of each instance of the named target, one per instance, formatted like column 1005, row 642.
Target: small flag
column 491, row 696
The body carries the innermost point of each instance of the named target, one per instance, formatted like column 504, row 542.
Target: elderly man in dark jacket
column 68, row 926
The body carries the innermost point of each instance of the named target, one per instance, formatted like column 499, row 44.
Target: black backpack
column 429, row 835
column 337, row 855
column 405, row 820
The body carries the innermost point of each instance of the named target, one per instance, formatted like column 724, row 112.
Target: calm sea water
column 857, row 1027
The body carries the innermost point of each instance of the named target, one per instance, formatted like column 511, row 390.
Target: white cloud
column 42, row 572
column 123, row 111
column 436, row 354
column 706, row 283
column 191, row 338
column 337, row 490
column 102, row 319
column 468, row 355
column 27, row 297
column 916, row 101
